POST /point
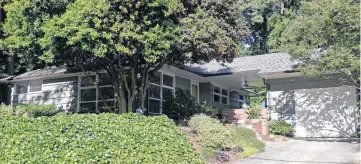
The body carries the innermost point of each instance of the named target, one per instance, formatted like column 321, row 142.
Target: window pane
column 216, row 89
column 104, row 80
column 216, row 98
column 224, row 92
column 194, row 91
column 154, row 91
column 224, row 100
column 156, row 78
column 87, row 81
column 154, row 106
column 35, row 86
column 106, row 92
column 87, row 107
column 167, row 93
column 168, row 80
column 103, row 107
column 241, row 97
column 21, row 88
column 241, row 104
column 88, row 94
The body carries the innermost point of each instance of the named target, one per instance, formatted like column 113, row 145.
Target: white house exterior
column 316, row 107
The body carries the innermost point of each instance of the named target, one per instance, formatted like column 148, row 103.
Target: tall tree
column 324, row 36
column 130, row 40
column 262, row 17
column 21, row 31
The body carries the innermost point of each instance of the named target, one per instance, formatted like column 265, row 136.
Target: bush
column 254, row 112
column 249, row 151
column 36, row 110
column 211, row 133
column 6, row 109
column 183, row 105
column 91, row 138
column 241, row 132
column 247, row 139
column 280, row 128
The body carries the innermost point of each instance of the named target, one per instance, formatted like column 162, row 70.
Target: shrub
column 183, row 105
column 247, row 139
column 241, row 132
column 254, row 112
column 91, row 138
column 249, row 151
column 6, row 109
column 36, row 110
column 211, row 133
column 280, row 128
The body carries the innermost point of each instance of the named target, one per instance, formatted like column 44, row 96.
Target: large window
column 161, row 86
column 243, row 101
column 220, row 95
column 95, row 99
column 26, row 87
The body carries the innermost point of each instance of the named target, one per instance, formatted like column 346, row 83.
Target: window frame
column 196, row 84
column 220, row 94
column 97, row 100
column 27, row 85
column 161, row 85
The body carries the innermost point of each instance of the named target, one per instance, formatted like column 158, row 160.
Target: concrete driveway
column 307, row 152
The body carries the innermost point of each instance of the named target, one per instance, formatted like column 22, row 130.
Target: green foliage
column 246, row 138
column 183, row 105
column 36, row 110
column 248, row 151
column 211, row 133
column 241, row 132
column 323, row 36
column 90, row 138
column 6, row 109
column 208, row 153
column 254, row 112
column 280, row 128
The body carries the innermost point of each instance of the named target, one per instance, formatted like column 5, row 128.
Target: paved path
column 307, row 152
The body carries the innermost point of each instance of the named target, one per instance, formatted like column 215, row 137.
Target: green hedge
column 281, row 128
column 90, row 138
column 211, row 133
column 36, row 110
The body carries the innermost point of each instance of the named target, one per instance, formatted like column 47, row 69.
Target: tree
column 21, row 31
column 264, row 18
column 130, row 40
column 323, row 36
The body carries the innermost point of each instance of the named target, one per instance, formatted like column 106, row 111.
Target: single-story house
column 317, row 107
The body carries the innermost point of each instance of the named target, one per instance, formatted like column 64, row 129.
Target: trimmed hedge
column 36, row 110
column 281, row 128
column 211, row 133
column 90, row 138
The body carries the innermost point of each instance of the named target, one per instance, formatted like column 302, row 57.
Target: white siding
column 61, row 92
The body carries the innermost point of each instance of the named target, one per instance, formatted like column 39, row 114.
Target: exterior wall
column 61, row 92
column 234, row 99
column 316, row 107
column 183, row 83
column 205, row 92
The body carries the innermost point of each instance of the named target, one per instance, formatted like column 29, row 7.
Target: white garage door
column 325, row 112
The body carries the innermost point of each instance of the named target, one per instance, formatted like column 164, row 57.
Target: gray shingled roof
column 42, row 73
column 263, row 64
